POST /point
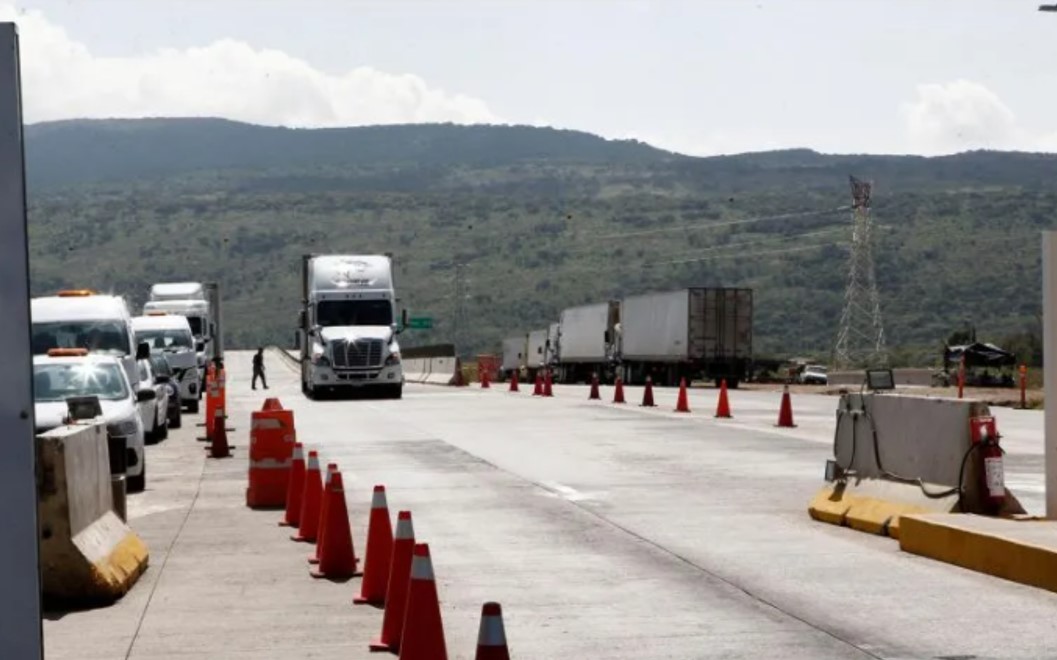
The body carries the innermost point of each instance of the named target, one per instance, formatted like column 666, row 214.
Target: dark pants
column 259, row 373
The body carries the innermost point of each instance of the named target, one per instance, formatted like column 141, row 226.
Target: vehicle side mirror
column 403, row 318
column 607, row 337
column 200, row 346
column 143, row 351
column 163, row 379
column 146, row 395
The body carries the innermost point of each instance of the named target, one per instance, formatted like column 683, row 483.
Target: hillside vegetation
column 543, row 219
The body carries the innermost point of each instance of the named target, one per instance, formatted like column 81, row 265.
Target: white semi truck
column 200, row 303
column 347, row 326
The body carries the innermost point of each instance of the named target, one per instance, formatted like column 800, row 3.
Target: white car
column 814, row 374
column 68, row 372
column 153, row 412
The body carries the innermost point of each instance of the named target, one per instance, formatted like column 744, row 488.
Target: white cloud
column 962, row 115
column 228, row 78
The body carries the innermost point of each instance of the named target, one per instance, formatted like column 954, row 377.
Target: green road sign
column 420, row 323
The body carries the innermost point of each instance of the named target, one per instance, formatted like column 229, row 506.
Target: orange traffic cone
column 379, row 552
column 538, row 390
column 310, row 501
column 513, row 381
column 331, row 469
column 785, row 413
column 295, row 488
column 547, row 384
column 595, row 395
column 491, row 637
column 337, row 559
column 618, row 392
column 647, row 394
column 218, row 448
column 423, row 636
column 272, row 403
column 682, row 404
column 396, row 590
column 723, row 407
column 484, row 380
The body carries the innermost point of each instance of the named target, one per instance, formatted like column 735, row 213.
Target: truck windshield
column 331, row 313
column 160, row 340
column 56, row 382
column 96, row 336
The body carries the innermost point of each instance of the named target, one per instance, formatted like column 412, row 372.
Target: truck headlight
column 393, row 359
column 121, row 427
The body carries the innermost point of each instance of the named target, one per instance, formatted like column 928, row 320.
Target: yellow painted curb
column 115, row 574
column 866, row 514
column 945, row 537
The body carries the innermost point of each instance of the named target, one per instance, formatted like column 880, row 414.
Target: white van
column 84, row 319
column 171, row 335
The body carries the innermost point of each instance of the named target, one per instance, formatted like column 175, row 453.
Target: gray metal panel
column 537, row 343
column 20, row 622
column 554, row 337
column 720, row 323
column 583, row 331
column 655, row 326
column 513, row 352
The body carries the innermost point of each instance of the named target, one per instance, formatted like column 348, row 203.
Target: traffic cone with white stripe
column 310, row 501
column 785, row 412
column 396, row 591
column 682, row 404
column 218, row 448
column 423, row 636
column 331, row 469
column 647, row 394
column 595, row 394
column 337, row 559
column 491, row 638
column 379, row 552
column 618, row 391
column 295, row 488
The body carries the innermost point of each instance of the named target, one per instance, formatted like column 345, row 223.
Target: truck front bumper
column 328, row 377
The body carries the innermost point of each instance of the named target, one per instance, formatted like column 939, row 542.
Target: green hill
column 543, row 218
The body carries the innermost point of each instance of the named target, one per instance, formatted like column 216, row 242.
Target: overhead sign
column 420, row 323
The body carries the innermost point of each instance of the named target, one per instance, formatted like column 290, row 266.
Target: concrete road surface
column 605, row 532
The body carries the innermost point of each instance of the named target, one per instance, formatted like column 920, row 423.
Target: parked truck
column 589, row 342
column 347, row 326
column 702, row 333
column 199, row 302
column 513, row 356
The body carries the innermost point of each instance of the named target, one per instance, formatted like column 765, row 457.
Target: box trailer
column 537, row 346
column 694, row 333
column 589, row 341
column 513, row 355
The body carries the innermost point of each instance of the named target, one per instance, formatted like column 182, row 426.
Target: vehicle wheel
column 396, row 392
column 162, row 433
column 733, row 384
column 193, row 407
column 177, row 419
column 138, row 483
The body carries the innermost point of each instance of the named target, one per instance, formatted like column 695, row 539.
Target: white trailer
column 535, row 359
column 690, row 333
column 589, row 341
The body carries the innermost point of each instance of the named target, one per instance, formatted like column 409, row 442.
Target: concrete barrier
column 442, row 370
column 86, row 552
column 416, row 370
column 902, row 455
column 902, row 377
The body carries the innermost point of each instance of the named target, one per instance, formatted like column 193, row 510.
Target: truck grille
column 358, row 354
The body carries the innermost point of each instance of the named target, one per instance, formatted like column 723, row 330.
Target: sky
column 701, row 77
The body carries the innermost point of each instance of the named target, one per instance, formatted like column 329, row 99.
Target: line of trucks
column 697, row 333
column 143, row 370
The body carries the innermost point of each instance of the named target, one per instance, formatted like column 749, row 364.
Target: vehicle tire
column 163, row 432
column 177, row 419
column 733, row 384
column 395, row 391
column 193, row 407
column 138, row 483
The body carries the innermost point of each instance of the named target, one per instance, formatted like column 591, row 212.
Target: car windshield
column 96, row 336
column 56, row 382
column 160, row 366
column 354, row 312
column 162, row 340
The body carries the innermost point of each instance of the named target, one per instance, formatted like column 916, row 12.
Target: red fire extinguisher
column 984, row 432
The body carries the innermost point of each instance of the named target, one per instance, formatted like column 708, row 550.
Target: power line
column 727, row 223
column 743, row 255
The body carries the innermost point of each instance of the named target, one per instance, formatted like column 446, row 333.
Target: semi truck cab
column 347, row 326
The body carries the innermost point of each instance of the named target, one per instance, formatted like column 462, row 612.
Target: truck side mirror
column 403, row 318
column 143, row 351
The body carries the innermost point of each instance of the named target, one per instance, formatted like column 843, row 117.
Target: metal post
column 1023, row 387
column 20, row 621
column 1049, row 374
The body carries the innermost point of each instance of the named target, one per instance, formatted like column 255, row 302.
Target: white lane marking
column 568, row 493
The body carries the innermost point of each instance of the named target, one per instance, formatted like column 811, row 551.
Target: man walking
column 258, row 369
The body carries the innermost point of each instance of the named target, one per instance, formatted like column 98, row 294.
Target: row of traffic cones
column 682, row 405
column 398, row 572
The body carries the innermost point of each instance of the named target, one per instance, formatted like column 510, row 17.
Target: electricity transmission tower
column 861, row 339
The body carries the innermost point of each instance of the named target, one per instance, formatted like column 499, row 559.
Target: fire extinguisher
column 984, row 436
